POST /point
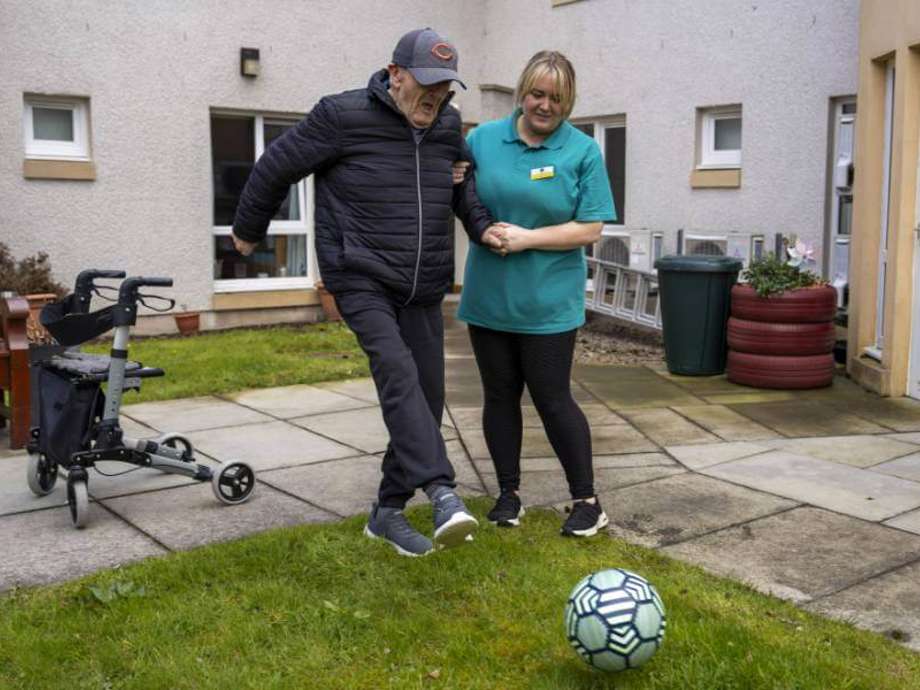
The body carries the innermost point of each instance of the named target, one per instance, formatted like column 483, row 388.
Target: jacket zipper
column 418, row 191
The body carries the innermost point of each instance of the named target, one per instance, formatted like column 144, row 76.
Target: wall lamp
column 249, row 62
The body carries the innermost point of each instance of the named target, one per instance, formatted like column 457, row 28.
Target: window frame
column 46, row 149
column 304, row 226
column 601, row 125
column 710, row 158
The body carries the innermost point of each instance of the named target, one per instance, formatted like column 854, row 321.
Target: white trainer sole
column 601, row 523
column 513, row 522
column 400, row 550
column 455, row 531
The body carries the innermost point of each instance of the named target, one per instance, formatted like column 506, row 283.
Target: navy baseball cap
column 428, row 56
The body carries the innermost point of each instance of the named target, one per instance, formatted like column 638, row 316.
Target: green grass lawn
column 228, row 361
column 320, row 606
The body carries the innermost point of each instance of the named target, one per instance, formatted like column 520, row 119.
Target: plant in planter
column 187, row 321
column 31, row 278
column 781, row 332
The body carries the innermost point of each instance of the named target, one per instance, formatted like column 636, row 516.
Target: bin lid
column 698, row 264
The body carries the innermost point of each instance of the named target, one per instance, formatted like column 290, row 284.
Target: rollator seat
column 90, row 367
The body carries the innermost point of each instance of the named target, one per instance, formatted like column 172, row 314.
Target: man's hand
column 514, row 238
column 243, row 247
column 492, row 238
column 458, row 170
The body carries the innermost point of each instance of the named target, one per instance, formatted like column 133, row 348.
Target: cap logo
column 442, row 51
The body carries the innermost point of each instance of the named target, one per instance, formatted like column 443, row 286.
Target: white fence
column 623, row 292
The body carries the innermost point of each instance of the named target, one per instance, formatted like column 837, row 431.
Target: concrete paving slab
column 906, row 467
column 725, row 422
column 546, row 488
column 907, row 437
column 631, row 387
column 362, row 429
column 595, row 413
column 861, row 493
column 699, row 456
column 605, row 440
column 622, row 461
column 800, row 554
column 666, row 427
column 43, row 547
column 286, row 402
column 5, row 450
column 678, row 508
column 362, row 389
column 15, row 495
column 264, row 446
column 349, row 486
column 801, row 418
column 464, row 471
column 192, row 414
column 898, row 414
column 701, row 385
column 909, row 522
column 195, row 517
column 760, row 396
column 887, row 604
column 343, row 487
column 857, row 451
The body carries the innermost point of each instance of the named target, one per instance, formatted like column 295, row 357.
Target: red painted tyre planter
column 804, row 305
column 768, row 371
column 760, row 337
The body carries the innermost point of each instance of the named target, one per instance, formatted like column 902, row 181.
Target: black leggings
column 544, row 362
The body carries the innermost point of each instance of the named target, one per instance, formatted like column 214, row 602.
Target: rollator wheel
column 233, row 483
column 78, row 501
column 41, row 474
column 177, row 441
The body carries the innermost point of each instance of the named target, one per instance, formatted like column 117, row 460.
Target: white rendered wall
column 657, row 61
column 153, row 71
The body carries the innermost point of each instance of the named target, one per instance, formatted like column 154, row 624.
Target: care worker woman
column 524, row 303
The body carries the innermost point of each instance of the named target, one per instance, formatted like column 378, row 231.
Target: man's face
column 420, row 104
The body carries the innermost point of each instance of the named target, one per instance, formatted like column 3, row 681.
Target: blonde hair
column 555, row 64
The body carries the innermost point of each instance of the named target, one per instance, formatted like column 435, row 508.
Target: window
column 283, row 260
column 720, row 137
column 56, row 128
column 757, row 243
column 610, row 135
column 657, row 246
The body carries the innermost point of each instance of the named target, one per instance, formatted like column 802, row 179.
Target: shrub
column 27, row 276
column 770, row 275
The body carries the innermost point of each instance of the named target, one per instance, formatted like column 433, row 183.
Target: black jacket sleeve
column 467, row 206
column 313, row 143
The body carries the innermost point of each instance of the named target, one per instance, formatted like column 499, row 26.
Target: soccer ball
column 615, row 620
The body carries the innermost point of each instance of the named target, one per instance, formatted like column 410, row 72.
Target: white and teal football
column 615, row 620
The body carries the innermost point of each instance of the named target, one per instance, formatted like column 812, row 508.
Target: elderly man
column 382, row 160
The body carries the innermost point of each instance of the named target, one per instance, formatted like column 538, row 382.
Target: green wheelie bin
column 695, row 293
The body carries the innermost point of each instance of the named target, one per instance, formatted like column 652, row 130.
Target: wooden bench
column 14, row 369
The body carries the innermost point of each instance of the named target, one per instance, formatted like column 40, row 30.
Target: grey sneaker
column 392, row 526
column 453, row 523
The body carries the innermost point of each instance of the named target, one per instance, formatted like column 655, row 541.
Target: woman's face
column 541, row 108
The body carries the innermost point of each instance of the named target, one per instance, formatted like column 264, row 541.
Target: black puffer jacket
column 383, row 202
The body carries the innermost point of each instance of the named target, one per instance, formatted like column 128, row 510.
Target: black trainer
column 507, row 511
column 585, row 519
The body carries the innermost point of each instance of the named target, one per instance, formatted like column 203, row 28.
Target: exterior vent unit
column 614, row 250
column 705, row 246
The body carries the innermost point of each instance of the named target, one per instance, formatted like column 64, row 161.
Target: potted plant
column 30, row 278
column 187, row 322
column 781, row 332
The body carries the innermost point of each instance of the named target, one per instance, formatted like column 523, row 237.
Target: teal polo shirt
column 534, row 291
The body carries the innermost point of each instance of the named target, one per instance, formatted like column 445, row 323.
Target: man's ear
column 395, row 76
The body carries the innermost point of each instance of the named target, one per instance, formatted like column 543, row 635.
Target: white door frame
column 876, row 351
column 913, row 376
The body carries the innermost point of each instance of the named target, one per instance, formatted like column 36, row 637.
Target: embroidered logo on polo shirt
column 542, row 173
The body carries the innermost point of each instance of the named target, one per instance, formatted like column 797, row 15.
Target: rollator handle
column 85, row 284
column 127, row 294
